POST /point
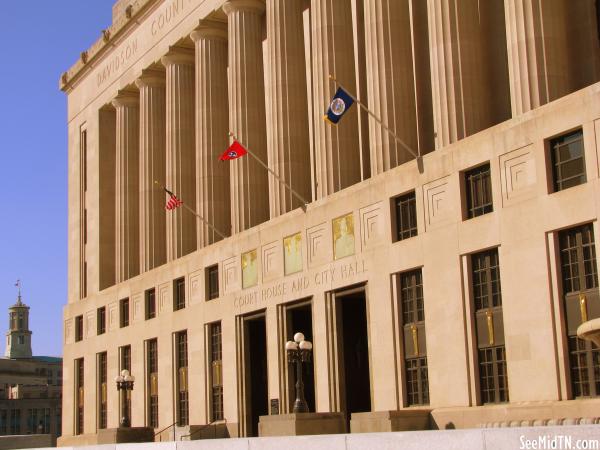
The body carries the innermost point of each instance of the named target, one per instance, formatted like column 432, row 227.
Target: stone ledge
column 300, row 424
column 382, row 421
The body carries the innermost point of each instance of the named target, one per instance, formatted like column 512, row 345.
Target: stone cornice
column 120, row 25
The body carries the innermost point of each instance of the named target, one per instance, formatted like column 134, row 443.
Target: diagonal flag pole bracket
column 281, row 180
column 417, row 155
column 210, row 225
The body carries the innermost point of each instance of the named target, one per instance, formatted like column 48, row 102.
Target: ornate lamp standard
column 299, row 351
column 125, row 383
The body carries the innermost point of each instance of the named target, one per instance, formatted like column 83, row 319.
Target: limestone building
column 30, row 386
column 437, row 293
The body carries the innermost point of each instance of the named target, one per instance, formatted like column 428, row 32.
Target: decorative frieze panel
column 113, row 316
column 89, row 328
column 272, row 261
column 517, row 175
column 372, row 219
column 69, row 332
column 137, row 307
column 440, row 200
column 196, row 286
column 231, row 275
column 164, row 298
column 319, row 245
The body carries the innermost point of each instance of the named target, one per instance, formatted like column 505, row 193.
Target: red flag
column 173, row 202
column 235, row 150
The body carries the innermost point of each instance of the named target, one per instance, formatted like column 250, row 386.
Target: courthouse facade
column 447, row 289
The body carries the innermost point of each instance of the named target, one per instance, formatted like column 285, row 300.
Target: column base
column 381, row 421
column 300, row 424
column 123, row 435
column 209, row 431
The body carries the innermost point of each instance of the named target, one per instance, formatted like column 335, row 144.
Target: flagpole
column 385, row 127
column 212, row 227
column 281, row 180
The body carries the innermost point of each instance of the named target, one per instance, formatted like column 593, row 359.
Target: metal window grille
column 406, row 216
column 182, row 379
column 479, row 191
column 493, row 381
column 580, row 302
column 179, row 294
column 124, row 304
column 212, row 277
column 150, row 304
column 101, row 320
column 486, row 280
column 216, row 372
column 102, row 387
column 79, row 396
column 152, row 349
column 568, row 161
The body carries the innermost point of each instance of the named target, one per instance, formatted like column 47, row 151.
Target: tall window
column 478, row 186
column 406, row 216
column 491, row 352
column 79, row 396
column 568, row 161
column 182, row 378
column 101, row 320
column 78, row 328
column 125, row 364
column 102, row 387
column 38, row 420
column 212, row 282
column 415, row 350
column 150, row 303
column 3, row 421
column 83, row 212
column 216, row 373
column 580, row 299
column 124, row 312
column 152, row 380
column 15, row 421
column 179, row 294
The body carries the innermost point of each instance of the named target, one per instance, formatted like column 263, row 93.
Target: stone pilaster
column 212, row 125
column 249, row 181
column 127, row 186
column 180, row 154
column 336, row 147
column 468, row 67
column 153, row 248
column 287, row 113
column 390, row 82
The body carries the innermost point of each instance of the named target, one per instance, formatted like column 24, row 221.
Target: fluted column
column 336, row 148
column 180, row 154
column 469, row 76
column 390, row 81
column 249, row 181
column 127, row 186
column 287, row 114
column 212, row 126
column 153, row 247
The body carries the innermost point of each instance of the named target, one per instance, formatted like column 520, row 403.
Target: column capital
column 126, row 98
column 178, row 55
column 210, row 29
column 255, row 6
column 151, row 77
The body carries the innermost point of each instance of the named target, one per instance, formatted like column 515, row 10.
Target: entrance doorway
column 352, row 351
column 255, row 372
column 299, row 319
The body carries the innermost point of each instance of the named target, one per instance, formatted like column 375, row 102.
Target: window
column 182, row 378
column 580, row 300
column 38, row 421
column 478, row 184
column 124, row 312
column 150, row 304
column 568, row 161
column 152, row 380
column 406, row 216
column 491, row 352
column 102, row 387
column 83, row 176
column 15, row 421
column 415, row 350
column 79, row 396
column 216, row 373
column 125, row 364
column 179, row 294
column 101, row 320
column 212, row 282
column 78, row 328
column 3, row 421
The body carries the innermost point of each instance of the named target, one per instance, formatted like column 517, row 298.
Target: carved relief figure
column 292, row 253
column 249, row 269
column 343, row 236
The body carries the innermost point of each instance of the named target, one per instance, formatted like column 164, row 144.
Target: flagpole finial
column 18, row 285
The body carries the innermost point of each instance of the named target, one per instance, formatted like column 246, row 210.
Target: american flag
column 173, row 202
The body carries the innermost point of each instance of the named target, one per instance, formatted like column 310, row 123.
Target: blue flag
column 342, row 101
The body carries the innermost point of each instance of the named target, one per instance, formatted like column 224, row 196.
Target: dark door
column 299, row 319
column 256, row 372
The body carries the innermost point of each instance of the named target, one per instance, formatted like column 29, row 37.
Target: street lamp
column 125, row 383
column 299, row 351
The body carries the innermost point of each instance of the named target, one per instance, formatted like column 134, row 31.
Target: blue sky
column 39, row 39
